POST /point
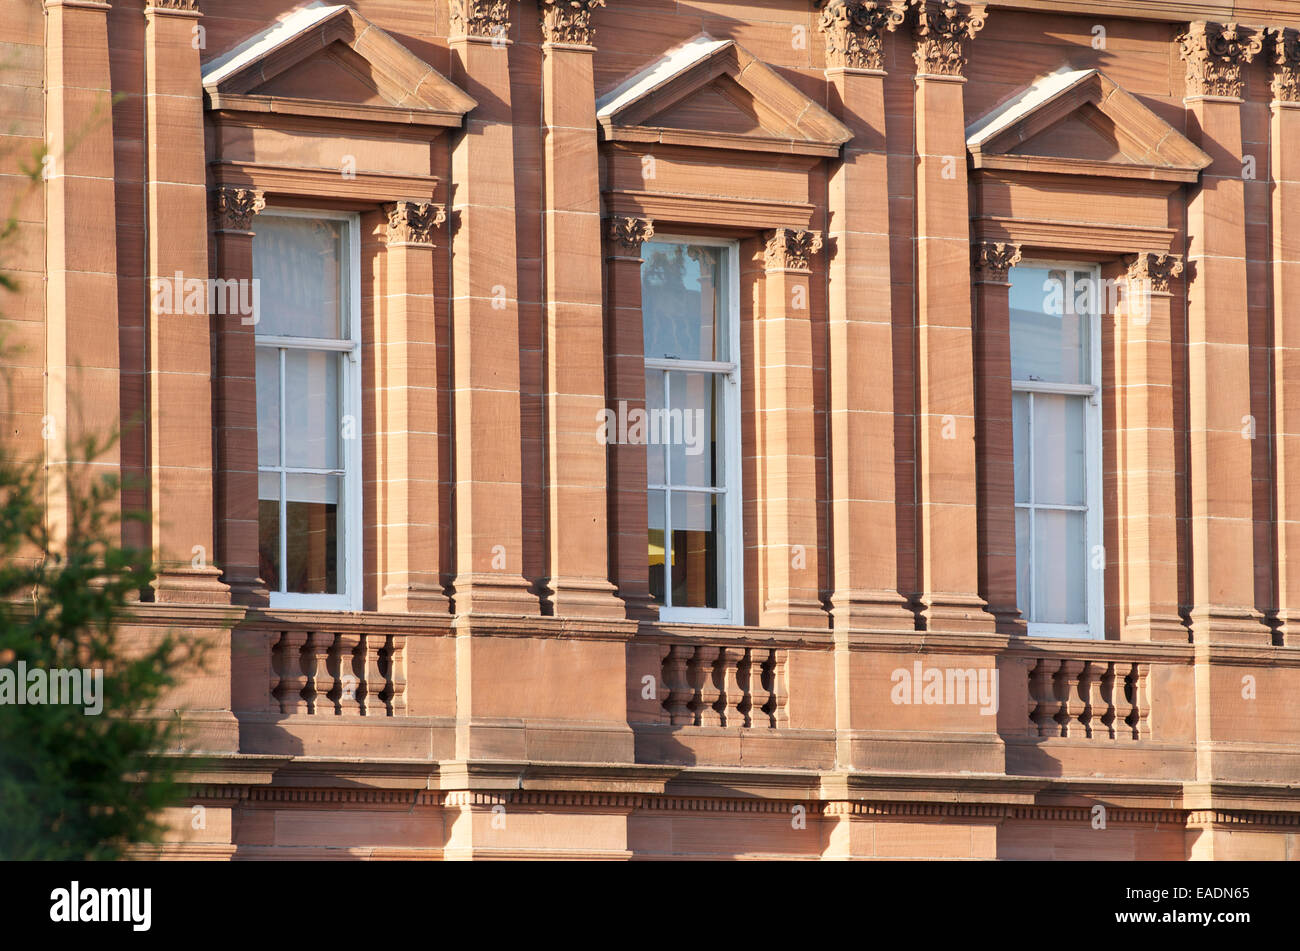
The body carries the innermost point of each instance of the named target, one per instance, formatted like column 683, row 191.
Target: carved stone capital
column 489, row 18
column 627, row 234
column 1286, row 63
column 941, row 29
column 182, row 6
column 569, row 21
column 236, row 207
column 789, row 249
column 1154, row 268
column 993, row 259
column 413, row 222
column 854, row 30
column 1215, row 54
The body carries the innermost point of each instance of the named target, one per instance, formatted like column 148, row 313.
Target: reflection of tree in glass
column 672, row 304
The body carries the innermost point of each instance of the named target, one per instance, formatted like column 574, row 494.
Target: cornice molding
column 569, row 21
column 790, row 249
column 993, row 259
column 854, row 30
column 236, row 207
column 1156, row 269
column 486, row 18
column 941, row 29
column 1215, row 54
column 1285, row 43
column 413, row 222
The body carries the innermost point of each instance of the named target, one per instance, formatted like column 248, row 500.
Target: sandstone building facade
column 688, row 428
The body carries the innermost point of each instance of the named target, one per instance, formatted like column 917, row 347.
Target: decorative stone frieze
column 854, row 30
column 941, row 29
column 1215, row 54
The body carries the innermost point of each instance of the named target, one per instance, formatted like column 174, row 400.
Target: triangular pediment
column 714, row 94
column 1081, row 122
column 286, row 69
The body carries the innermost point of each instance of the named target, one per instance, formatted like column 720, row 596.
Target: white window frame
column 1095, row 590
column 349, row 518
column 731, row 543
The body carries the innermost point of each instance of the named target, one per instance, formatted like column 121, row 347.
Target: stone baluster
column 1074, row 697
column 315, row 664
column 680, row 692
column 393, row 667
column 707, row 692
column 292, row 685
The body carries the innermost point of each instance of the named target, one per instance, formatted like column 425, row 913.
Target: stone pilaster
column 994, row 443
column 576, row 477
column 81, row 344
column 864, row 531
column 948, row 533
column 1221, row 424
column 1284, row 168
column 788, row 595
column 410, row 513
column 1148, row 490
column 180, row 359
column 234, row 404
column 625, row 393
column 485, row 332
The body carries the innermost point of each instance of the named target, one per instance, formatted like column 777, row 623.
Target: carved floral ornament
column 1286, row 63
column 854, row 30
column 569, row 21
column 184, row 6
column 993, row 259
column 628, row 234
column 413, row 222
column 1155, row 269
column 1215, row 54
column 236, row 208
column 790, row 249
column 480, row 17
column 941, row 29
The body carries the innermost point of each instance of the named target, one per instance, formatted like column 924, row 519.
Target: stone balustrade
column 731, row 686
column 338, row 674
column 1088, row 699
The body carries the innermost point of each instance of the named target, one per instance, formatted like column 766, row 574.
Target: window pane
column 298, row 263
column 268, row 407
column 654, row 403
column 1051, row 324
column 1023, row 556
column 312, row 543
column 311, row 418
column 683, row 310
column 1060, row 450
column 696, row 537
column 690, row 429
column 1020, row 443
column 1060, row 567
column 268, row 528
column 658, row 568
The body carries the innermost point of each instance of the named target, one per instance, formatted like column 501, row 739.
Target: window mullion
column 284, row 482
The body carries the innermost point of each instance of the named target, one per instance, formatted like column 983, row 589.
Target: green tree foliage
column 75, row 785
